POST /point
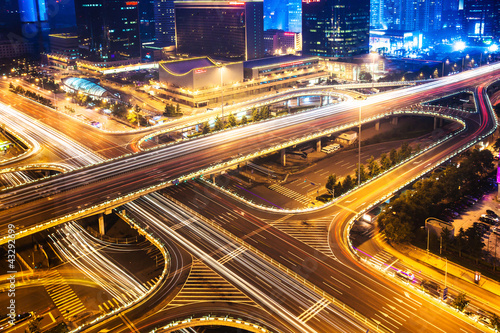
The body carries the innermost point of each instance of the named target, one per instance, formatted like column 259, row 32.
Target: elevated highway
column 85, row 191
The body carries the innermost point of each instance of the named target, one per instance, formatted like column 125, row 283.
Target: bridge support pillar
column 377, row 125
column 440, row 122
column 283, row 157
column 157, row 139
column 322, row 100
column 394, row 120
column 102, row 231
column 435, row 122
column 298, row 101
column 318, row 145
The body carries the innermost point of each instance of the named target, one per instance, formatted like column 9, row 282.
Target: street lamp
column 221, row 68
column 463, row 61
column 442, row 72
column 373, row 56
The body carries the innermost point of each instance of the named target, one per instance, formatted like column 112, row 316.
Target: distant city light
column 459, row 46
column 493, row 48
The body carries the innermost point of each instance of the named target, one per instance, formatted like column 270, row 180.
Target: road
column 64, row 194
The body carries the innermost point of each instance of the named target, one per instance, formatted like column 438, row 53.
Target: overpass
column 104, row 185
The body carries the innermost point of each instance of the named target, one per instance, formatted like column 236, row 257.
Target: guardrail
column 209, row 320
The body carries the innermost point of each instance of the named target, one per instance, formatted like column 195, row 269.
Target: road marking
column 346, row 208
column 391, row 264
column 64, row 298
column 128, row 323
column 313, row 310
column 340, row 282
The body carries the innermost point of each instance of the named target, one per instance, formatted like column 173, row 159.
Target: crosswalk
column 290, row 194
column 124, row 298
column 204, row 285
column 311, row 232
column 380, row 259
column 65, row 299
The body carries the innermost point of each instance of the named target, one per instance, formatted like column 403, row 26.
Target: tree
column 178, row 109
column 264, row 112
column 460, row 302
column 255, row 114
column 396, row 229
column 347, row 184
column 496, row 145
column 231, row 120
column 445, row 237
column 132, row 117
column 461, row 241
column 385, row 162
column 219, row 125
column 362, row 172
column 330, row 183
column 11, row 86
column 373, row 167
column 169, row 110
column 405, row 151
column 475, row 243
column 365, row 76
column 205, row 128
column 244, row 120
column 394, row 156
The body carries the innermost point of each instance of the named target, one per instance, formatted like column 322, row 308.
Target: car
column 431, row 287
column 496, row 231
column 492, row 214
column 486, row 219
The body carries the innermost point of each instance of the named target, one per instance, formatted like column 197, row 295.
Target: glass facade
column 335, row 28
column 220, row 29
column 108, row 30
column 164, row 23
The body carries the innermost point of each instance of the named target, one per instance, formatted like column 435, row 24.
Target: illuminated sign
column 237, row 3
column 131, row 3
column 198, row 71
column 292, row 63
column 289, row 34
column 309, row 1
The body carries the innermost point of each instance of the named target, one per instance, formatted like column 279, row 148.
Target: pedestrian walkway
column 290, row 194
column 204, row 285
column 381, row 258
column 65, row 299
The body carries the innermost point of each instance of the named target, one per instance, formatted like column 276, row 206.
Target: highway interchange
column 368, row 294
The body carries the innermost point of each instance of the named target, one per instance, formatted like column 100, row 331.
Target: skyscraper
column 108, row 30
column 481, row 20
column 164, row 22
column 231, row 30
column 147, row 21
column 283, row 15
column 335, row 28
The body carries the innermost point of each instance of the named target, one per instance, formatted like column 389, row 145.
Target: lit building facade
column 281, row 42
column 231, row 30
column 164, row 22
column 481, row 20
column 335, row 28
column 108, row 30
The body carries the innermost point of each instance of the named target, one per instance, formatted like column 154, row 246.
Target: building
column 396, row 42
column 199, row 73
column 64, row 44
column 87, row 87
column 164, row 22
column 9, row 50
column 108, row 30
column 435, row 226
column 411, row 15
column 481, row 20
column 283, row 15
column 229, row 30
column 281, row 42
column 280, row 68
column 335, row 28
column 347, row 138
column 147, row 29
column 196, row 81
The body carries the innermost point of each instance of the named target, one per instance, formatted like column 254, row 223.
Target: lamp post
column 467, row 56
column 222, row 94
column 442, row 71
column 359, row 149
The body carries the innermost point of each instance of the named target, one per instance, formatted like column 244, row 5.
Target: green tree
column 331, row 181
column 244, row 120
column 205, row 128
column 396, row 229
column 405, row 151
column 169, row 110
column 264, row 112
column 385, row 162
column 362, row 172
column 394, row 156
column 231, row 120
column 461, row 241
column 445, row 237
column 255, row 114
column 460, row 302
column 496, row 145
column 373, row 167
column 132, row 117
column 178, row 109
column 338, row 189
column 347, row 184
column 218, row 124
column 365, row 76
column 11, row 86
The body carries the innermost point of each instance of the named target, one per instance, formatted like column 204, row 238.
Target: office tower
column 108, row 30
column 481, row 20
column 283, row 15
column 164, row 22
column 62, row 17
column 450, row 18
column 220, row 29
column 147, row 21
column 335, row 28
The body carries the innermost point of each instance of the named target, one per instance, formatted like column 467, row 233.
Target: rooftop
column 182, row 67
column 86, row 86
column 274, row 61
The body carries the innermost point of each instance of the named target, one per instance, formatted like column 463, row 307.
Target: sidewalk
column 434, row 267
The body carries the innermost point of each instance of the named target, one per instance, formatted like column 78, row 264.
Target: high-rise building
column 281, row 42
column 481, row 20
column 164, row 22
column 283, row 15
column 335, row 28
column 108, row 30
column 231, row 30
column 147, row 21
